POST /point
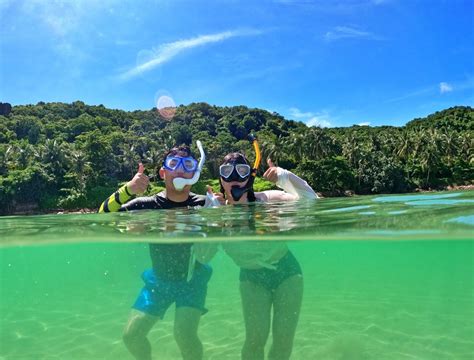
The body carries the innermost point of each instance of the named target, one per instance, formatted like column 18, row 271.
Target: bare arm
column 294, row 188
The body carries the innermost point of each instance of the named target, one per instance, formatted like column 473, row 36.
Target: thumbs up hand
column 140, row 181
column 272, row 172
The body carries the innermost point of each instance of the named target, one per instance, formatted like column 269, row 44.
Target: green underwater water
column 386, row 277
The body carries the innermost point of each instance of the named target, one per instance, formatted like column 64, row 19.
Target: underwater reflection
column 271, row 279
column 362, row 299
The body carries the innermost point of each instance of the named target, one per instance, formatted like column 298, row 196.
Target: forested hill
column 56, row 155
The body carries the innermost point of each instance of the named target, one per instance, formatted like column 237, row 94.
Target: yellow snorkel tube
column 258, row 156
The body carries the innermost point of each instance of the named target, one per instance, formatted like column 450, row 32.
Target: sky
column 327, row 63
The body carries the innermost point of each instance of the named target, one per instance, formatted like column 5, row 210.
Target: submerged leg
column 256, row 304
column 286, row 310
column 135, row 334
column 186, row 332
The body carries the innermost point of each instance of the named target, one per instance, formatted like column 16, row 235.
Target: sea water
column 386, row 277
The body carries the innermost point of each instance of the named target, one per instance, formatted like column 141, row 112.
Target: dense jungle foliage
column 57, row 155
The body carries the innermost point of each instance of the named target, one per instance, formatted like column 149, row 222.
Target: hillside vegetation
column 57, row 155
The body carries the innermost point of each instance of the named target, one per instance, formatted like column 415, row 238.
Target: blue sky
column 323, row 62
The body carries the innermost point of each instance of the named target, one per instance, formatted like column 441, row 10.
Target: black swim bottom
column 271, row 279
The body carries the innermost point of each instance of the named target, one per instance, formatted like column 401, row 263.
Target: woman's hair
column 238, row 158
column 235, row 157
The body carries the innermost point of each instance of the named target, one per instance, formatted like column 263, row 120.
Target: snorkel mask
column 234, row 171
column 179, row 183
column 236, row 190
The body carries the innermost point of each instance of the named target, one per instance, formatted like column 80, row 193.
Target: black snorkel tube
column 237, row 192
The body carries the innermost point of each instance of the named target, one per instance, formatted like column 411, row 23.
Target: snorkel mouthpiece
column 179, row 183
column 237, row 191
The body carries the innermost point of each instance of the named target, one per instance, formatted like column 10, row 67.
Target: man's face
column 168, row 175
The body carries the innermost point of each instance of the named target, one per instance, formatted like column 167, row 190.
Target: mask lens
column 243, row 170
column 226, row 170
column 190, row 164
column 172, row 162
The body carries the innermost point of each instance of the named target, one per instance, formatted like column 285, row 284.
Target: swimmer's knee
column 134, row 331
column 255, row 342
column 185, row 335
column 130, row 335
column 280, row 351
column 252, row 350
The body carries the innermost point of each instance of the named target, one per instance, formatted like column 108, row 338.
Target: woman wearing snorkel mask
column 270, row 276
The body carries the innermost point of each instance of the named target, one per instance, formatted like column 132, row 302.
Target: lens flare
column 166, row 107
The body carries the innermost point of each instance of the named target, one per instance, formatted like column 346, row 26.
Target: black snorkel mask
column 240, row 173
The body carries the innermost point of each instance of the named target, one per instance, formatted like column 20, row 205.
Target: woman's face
column 235, row 173
column 236, row 180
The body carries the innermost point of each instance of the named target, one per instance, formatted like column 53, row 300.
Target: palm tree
column 450, row 145
column 294, row 146
column 466, row 146
column 129, row 159
column 318, row 144
column 20, row 155
column 79, row 165
column 405, row 145
column 53, row 155
column 273, row 148
column 4, row 159
column 430, row 154
column 53, row 152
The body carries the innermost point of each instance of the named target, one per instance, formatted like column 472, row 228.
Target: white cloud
column 166, row 52
column 321, row 119
column 346, row 32
column 62, row 17
column 441, row 88
column 444, row 87
column 412, row 94
column 296, row 113
column 366, row 123
column 67, row 23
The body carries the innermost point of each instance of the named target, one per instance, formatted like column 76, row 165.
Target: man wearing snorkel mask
column 270, row 276
column 174, row 277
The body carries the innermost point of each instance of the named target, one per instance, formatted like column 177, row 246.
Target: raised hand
column 272, row 172
column 140, row 181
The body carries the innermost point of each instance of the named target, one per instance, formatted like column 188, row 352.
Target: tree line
column 57, row 155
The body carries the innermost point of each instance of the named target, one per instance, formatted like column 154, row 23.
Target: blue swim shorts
column 157, row 295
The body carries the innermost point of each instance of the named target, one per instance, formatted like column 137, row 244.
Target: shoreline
column 30, row 211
